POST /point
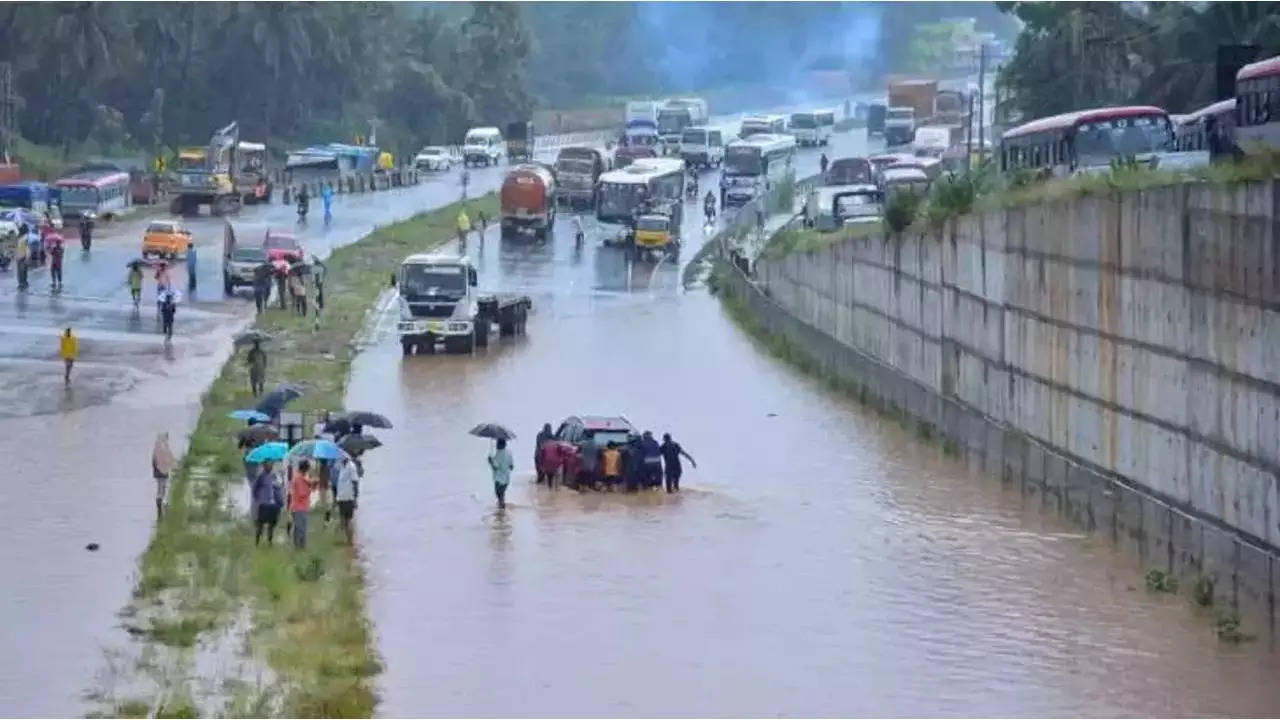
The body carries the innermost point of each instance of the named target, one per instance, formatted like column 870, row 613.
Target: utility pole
column 968, row 137
column 982, row 89
column 8, row 112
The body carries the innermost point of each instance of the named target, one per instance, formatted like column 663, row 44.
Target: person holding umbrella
column 168, row 309
column 282, row 275
column 261, row 286
column 501, row 464
column 268, row 496
column 257, row 362
column 135, row 281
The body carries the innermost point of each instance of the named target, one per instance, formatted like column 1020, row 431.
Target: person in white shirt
column 345, row 493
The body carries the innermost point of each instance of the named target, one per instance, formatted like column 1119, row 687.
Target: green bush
column 900, row 210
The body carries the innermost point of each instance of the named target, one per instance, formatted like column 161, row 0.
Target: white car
column 433, row 158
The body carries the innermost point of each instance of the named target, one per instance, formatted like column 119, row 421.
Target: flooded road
column 820, row 560
column 78, row 457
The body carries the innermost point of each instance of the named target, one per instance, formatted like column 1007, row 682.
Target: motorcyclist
column 304, row 203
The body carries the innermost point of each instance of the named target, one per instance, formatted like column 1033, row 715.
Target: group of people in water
column 640, row 462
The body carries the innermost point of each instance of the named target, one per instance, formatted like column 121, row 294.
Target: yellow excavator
column 207, row 180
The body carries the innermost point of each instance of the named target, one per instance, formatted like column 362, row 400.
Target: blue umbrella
column 317, row 449
column 268, row 451
column 249, row 415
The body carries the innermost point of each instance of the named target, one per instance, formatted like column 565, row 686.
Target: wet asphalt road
column 818, row 562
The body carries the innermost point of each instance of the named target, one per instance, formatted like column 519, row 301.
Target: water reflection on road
column 821, row 560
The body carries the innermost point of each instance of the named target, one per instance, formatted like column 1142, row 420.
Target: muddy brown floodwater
column 820, row 561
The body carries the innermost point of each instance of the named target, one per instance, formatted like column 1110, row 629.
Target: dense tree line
column 160, row 75
column 1088, row 54
column 164, row 74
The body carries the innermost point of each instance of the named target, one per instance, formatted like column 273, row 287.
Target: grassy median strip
column 296, row 620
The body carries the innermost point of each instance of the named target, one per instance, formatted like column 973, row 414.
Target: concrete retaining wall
column 1118, row 357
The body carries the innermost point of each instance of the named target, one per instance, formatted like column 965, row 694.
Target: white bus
column 702, row 146
column 623, row 192
column 762, row 125
column 753, row 164
column 814, row 127
column 1088, row 140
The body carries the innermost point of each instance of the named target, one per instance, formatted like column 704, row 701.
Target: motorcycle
column 302, row 209
column 691, row 191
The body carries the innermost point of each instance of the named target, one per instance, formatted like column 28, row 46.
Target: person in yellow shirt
column 464, row 226
column 69, row 349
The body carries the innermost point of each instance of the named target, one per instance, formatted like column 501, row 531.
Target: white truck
column 438, row 303
column 674, row 116
column 899, row 126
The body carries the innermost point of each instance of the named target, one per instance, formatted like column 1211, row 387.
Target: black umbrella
column 299, row 268
column 493, row 431
column 259, row 433
column 273, row 402
column 356, row 444
column 250, row 337
column 136, row 262
column 263, row 271
column 337, row 425
column 363, row 417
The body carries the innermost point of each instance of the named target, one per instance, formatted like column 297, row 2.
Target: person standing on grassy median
column 268, row 496
column 464, row 227
column 257, row 362
column 345, row 493
column 69, row 349
column 300, row 489
column 501, row 464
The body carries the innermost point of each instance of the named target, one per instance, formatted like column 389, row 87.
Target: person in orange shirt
column 611, row 461
column 300, row 502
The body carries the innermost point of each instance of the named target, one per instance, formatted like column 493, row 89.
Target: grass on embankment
column 201, row 573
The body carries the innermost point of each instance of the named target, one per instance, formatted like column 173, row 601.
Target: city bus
column 814, row 127
column 1089, row 140
column 753, row 164
column 1257, row 116
column 646, row 181
column 102, row 192
column 1209, row 128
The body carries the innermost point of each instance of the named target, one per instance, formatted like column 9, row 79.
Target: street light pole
column 982, row 85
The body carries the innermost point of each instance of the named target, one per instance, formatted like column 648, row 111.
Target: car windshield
column 79, row 195
column 604, row 437
column 694, row 137
column 476, row 139
column 673, row 121
column 749, row 129
column 1097, row 143
column 431, row 279
column 651, row 223
column 249, row 255
column 855, row 204
column 804, row 122
column 431, row 151
column 901, row 114
column 575, row 166
column 161, row 227
column 279, row 242
column 849, row 172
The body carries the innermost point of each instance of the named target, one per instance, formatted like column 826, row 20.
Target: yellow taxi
column 165, row 238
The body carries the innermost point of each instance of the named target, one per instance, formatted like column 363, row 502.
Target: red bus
column 1088, row 140
column 1258, row 105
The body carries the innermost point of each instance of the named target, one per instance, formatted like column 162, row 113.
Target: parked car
column 238, row 267
column 282, row 246
column 165, row 238
column 434, row 157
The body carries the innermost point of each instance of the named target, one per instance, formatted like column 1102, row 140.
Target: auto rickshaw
column 654, row 237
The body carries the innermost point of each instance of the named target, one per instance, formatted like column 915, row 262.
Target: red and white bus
column 101, row 192
column 1088, row 140
column 1210, row 128
column 1258, row 105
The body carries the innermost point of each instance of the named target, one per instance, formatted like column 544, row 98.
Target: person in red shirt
column 300, row 488
column 54, row 243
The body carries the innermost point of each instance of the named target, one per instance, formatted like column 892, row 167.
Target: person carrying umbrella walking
column 501, row 464
column 55, row 263
column 135, row 282
column 168, row 309
column 282, row 274
column 261, row 286
column 268, row 496
column 257, row 362
column 161, row 468
column 69, row 349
